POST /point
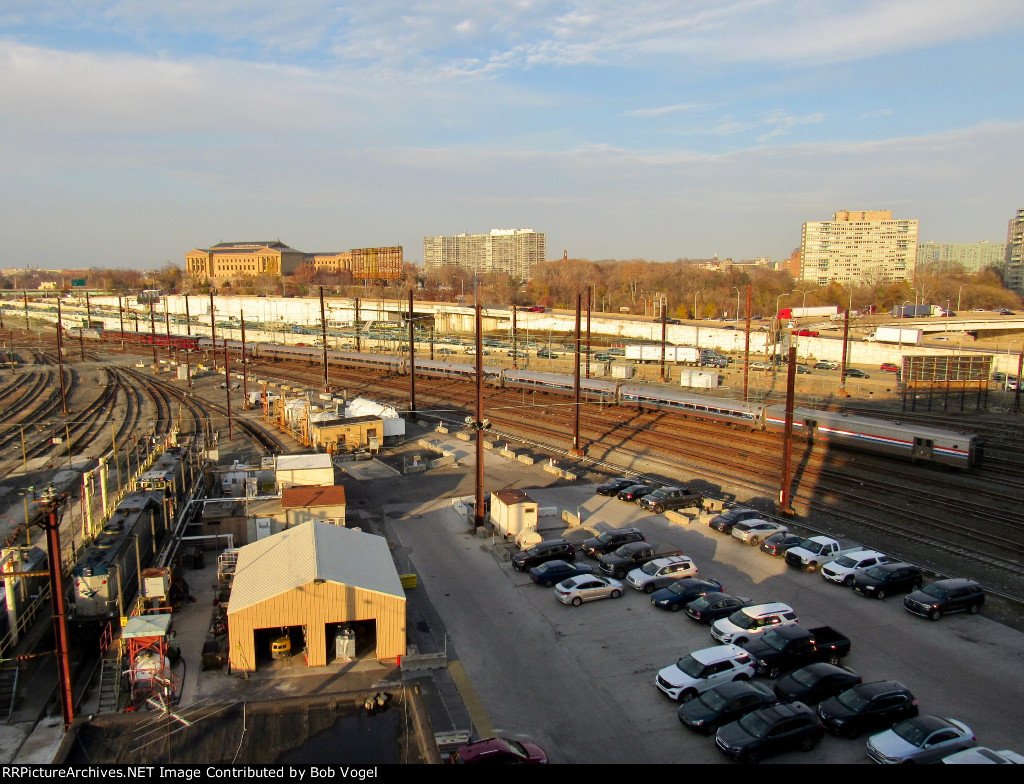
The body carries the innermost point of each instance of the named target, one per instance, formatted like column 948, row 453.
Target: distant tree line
column 637, row 286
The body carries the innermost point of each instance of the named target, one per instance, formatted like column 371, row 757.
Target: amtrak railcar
column 716, row 409
column 590, row 388
column 884, row 437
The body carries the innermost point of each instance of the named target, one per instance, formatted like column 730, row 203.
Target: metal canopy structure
column 945, row 378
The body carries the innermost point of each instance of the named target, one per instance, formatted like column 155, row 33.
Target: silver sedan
column 587, row 588
column 920, row 739
column 754, row 532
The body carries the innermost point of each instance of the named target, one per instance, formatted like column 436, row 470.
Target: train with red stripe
column 160, row 339
column 920, row 443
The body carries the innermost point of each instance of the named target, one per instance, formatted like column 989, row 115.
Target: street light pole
column 737, row 304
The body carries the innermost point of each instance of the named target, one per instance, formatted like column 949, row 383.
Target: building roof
column 311, row 551
column 300, row 462
column 305, row 497
column 514, row 496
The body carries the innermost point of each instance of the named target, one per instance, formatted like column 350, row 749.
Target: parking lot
column 580, row 680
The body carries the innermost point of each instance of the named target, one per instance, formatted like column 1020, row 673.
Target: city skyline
column 135, row 132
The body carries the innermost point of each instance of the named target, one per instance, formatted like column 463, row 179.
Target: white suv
column 843, row 570
column 750, row 622
column 701, row 670
column 661, row 572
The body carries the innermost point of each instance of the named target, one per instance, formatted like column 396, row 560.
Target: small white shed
column 513, row 511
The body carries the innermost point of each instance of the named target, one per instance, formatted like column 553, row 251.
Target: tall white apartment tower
column 858, row 247
column 1013, row 272
column 512, row 251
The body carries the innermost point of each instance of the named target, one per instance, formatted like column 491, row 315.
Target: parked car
column 551, row 573
column 632, row 556
column 749, row 622
column 760, row 366
column 551, row 550
column 704, row 669
column 815, row 682
column 856, row 373
column 634, row 493
column 681, row 592
column 546, row 354
column 608, row 541
column 738, row 514
column 807, row 333
column 778, row 544
column 661, row 572
column 790, row 646
column 1005, row 312
column 803, row 369
column 890, row 367
column 980, row 755
column 845, row 569
column 615, row 485
column 502, row 751
column 920, row 739
column 724, row 704
column 712, row 606
column 884, row 579
column 587, row 588
column 867, row 706
column 672, row 498
column 826, row 364
column 603, row 357
column 770, row 731
column 753, row 531
column 946, row 596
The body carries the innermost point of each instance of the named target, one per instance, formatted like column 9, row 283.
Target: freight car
column 162, row 340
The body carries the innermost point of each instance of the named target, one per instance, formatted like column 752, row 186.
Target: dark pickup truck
column 672, row 498
column 634, row 555
column 788, row 647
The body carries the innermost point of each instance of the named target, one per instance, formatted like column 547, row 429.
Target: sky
column 133, row 131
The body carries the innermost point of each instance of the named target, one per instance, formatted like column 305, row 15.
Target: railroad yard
column 109, row 404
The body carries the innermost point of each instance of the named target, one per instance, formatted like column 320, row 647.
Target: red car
column 500, row 750
column 807, row 333
column 892, row 367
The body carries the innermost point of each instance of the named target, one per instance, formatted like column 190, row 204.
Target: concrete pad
column 40, row 748
column 368, row 469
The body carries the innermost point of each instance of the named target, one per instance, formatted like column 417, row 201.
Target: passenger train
column 895, row 439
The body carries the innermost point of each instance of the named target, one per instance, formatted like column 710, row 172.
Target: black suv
column 867, row 706
column 881, row 580
column 551, row 550
column 604, row 543
column 769, row 731
column 946, row 596
column 612, row 487
column 723, row 704
column 672, row 498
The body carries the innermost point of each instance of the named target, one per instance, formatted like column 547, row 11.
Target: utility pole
column 746, row 348
column 120, row 318
column 188, row 346
column 480, row 424
column 785, row 502
column 412, row 363
column 664, row 335
column 245, row 367
column 152, row 331
column 50, row 504
column 60, row 361
column 355, row 328
column 323, row 332
column 576, row 449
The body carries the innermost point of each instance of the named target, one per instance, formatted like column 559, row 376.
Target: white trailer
column 902, row 335
column 688, row 355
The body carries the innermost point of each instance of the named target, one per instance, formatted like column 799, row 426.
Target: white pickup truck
column 815, row 551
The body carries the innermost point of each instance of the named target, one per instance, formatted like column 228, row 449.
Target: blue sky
column 133, row 131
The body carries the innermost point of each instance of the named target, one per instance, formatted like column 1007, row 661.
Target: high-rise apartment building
column 972, row 256
column 1013, row 271
column 857, row 247
column 512, row 251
